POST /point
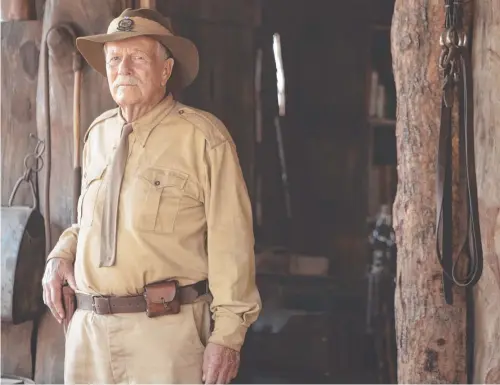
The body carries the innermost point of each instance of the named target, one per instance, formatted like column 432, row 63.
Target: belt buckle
column 95, row 307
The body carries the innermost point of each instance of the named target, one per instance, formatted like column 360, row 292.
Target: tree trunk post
column 430, row 333
column 486, row 74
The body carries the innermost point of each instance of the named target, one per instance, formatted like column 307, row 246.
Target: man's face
column 137, row 70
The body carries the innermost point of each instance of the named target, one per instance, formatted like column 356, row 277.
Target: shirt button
column 181, row 112
column 157, row 182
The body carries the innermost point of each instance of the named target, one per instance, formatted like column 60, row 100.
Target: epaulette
column 105, row 115
column 213, row 129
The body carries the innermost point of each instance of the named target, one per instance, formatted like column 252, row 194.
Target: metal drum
column 23, row 262
column 23, row 251
column 8, row 379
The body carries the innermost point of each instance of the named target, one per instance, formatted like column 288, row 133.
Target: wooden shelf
column 381, row 122
column 297, row 277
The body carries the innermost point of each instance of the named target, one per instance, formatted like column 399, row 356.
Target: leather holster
column 69, row 304
column 162, row 298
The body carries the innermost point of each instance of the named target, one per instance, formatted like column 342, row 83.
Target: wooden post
column 147, row 4
column 486, row 76
column 127, row 4
column 430, row 334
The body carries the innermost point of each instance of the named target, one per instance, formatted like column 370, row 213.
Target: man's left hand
column 220, row 364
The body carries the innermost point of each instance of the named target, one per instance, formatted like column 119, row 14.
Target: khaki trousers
column 134, row 349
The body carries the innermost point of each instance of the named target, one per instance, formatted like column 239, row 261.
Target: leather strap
column 134, row 304
column 455, row 62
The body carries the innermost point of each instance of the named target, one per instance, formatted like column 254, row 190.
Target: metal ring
column 463, row 40
column 36, row 165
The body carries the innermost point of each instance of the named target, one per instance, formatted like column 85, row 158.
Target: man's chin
column 127, row 98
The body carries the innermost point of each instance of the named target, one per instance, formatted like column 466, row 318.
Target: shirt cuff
column 229, row 332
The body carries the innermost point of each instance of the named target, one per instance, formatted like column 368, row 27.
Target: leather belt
column 135, row 303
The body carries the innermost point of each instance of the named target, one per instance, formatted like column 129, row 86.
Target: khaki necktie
column 110, row 208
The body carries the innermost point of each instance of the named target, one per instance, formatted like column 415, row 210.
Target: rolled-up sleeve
column 230, row 245
column 66, row 245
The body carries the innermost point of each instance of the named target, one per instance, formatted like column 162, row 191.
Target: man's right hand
column 57, row 272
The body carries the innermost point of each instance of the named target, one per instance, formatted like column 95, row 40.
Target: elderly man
column 164, row 239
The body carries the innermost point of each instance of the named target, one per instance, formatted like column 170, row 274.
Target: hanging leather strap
column 457, row 70
column 455, row 63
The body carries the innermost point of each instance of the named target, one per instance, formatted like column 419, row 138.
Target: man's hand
column 57, row 272
column 220, row 364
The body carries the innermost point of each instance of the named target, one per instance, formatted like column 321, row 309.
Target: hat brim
column 183, row 50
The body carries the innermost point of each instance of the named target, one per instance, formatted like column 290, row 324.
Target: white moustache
column 125, row 81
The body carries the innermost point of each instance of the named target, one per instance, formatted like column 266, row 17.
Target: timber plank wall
column 20, row 52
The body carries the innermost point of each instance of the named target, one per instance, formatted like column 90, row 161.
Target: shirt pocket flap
column 93, row 173
column 161, row 178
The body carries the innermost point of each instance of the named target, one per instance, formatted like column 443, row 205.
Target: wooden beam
column 18, row 10
column 430, row 333
column 127, row 4
column 147, row 4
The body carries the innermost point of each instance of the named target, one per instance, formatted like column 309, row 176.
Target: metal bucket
column 8, row 379
column 23, row 263
column 22, row 255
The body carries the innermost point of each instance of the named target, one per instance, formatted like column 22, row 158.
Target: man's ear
column 168, row 67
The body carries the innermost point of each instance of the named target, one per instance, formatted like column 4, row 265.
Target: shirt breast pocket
column 161, row 191
column 91, row 185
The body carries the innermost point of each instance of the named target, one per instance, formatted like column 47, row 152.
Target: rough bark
column 486, row 73
column 430, row 334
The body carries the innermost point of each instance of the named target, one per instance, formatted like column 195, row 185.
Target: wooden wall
column 20, row 51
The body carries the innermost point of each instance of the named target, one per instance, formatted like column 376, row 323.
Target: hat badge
column 125, row 25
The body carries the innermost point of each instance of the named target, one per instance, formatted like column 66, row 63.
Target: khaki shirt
column 184, row 213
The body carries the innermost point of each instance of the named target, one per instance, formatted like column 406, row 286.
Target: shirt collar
column 143, row 126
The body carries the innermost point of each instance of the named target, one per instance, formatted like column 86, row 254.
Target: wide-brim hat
column 144, row 22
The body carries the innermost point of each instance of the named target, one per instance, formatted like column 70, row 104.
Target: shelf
column 381, row 122
column 297, row 277
column 381, row 27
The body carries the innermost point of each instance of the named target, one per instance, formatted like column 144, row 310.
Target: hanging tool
column 280, row 77
column 67, row 31
column 258, row 135
column 77, row 177
column 381, row 275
